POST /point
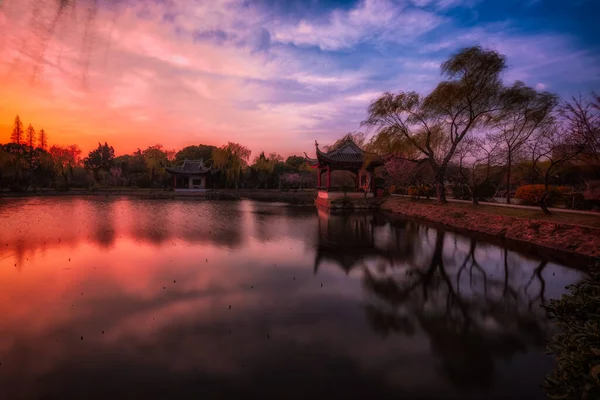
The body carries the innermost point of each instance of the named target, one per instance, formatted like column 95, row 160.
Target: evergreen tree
column 43, row 139
column 30, row 137
column 17, row 133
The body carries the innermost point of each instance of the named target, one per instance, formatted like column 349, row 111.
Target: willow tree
column 456, row 107
column 231, row 158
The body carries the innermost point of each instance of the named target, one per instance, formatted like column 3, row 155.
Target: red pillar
column 372, row 182
column 174, row 181
column 328, row 177
column 319, row 178
column 357, row 181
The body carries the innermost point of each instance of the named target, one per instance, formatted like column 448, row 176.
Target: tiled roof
column 191, row 167
column 347, row 154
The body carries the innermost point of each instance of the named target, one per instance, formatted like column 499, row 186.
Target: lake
column 128, row 298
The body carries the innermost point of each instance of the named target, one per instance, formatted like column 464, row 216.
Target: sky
column 273, row 75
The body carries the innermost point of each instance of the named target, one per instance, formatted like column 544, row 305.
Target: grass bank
column 569, row 233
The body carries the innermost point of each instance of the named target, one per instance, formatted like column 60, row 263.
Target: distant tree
column 526, row 112
column 405, row 173
column 549, row 151
column 201, row 151
column 30, row 137
column 231, row 158
column 308, row 175
column 476, row 161
column 43, row 139
column 263, row 168
column 65, row 158
column 17, row 132
column 155, row 158
column 5, row 164
column 275, row 158
column 583, row 116
column 359, row 138
column 295, row 161
column 100, row 159
column 457, row 106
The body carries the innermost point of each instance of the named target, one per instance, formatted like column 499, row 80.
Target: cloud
column 369, row 20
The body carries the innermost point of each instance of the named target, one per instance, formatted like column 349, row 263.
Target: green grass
column 559, row 218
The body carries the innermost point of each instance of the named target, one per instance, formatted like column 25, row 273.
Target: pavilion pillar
column 328, row 177
column 174, row 181
column 372, row 175
column 357, row 181
column 319, row 178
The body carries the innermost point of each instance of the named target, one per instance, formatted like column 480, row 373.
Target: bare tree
column 525, row 111
column 453, row 109
column 583, row 117
column 476, row 159
column 549, row 150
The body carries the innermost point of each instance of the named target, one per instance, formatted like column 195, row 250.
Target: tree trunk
column 440, row 188
column 474, row 195
column 65, row 177
column 543, row 200
column 508, row 180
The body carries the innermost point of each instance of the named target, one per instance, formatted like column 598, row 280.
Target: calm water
column 126, row 299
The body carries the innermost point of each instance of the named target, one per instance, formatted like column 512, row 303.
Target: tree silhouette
column 17, row 132
column 43, row 139
column 30, row 137
column 464, row 102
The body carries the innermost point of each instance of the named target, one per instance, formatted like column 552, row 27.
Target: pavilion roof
column 192, row 167
column 348, row 155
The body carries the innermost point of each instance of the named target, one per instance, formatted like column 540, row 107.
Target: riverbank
column 559, row 232
column 298, row 197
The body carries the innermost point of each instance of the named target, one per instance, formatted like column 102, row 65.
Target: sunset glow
column 270, row 75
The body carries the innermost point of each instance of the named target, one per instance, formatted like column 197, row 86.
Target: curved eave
column 177, row 171
column 325, row 160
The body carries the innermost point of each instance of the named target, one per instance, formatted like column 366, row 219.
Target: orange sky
column 134, row 83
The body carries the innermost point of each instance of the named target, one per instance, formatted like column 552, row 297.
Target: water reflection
column 163, row 299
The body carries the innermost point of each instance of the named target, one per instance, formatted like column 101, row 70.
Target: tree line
column 29, row 163
column 481, row 136
column 473, row 136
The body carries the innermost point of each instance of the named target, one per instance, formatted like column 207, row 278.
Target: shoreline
column 561, row 241
column 558, row 240
column 296, row 197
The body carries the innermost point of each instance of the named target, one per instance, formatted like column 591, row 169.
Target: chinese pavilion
column 192, row 174
column 346, row 157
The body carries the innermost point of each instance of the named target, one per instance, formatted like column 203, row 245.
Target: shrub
column 392, row 189
column 413, row 192
column 577, row 345
column 532, row 194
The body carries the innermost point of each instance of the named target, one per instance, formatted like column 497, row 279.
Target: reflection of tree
column 104, row 229
column 470, row 316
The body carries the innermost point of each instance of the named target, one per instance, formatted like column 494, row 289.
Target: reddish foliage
column 532, row 194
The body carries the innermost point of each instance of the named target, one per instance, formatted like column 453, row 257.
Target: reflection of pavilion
column 350, row 241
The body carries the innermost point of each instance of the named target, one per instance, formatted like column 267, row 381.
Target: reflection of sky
column 158, row 278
